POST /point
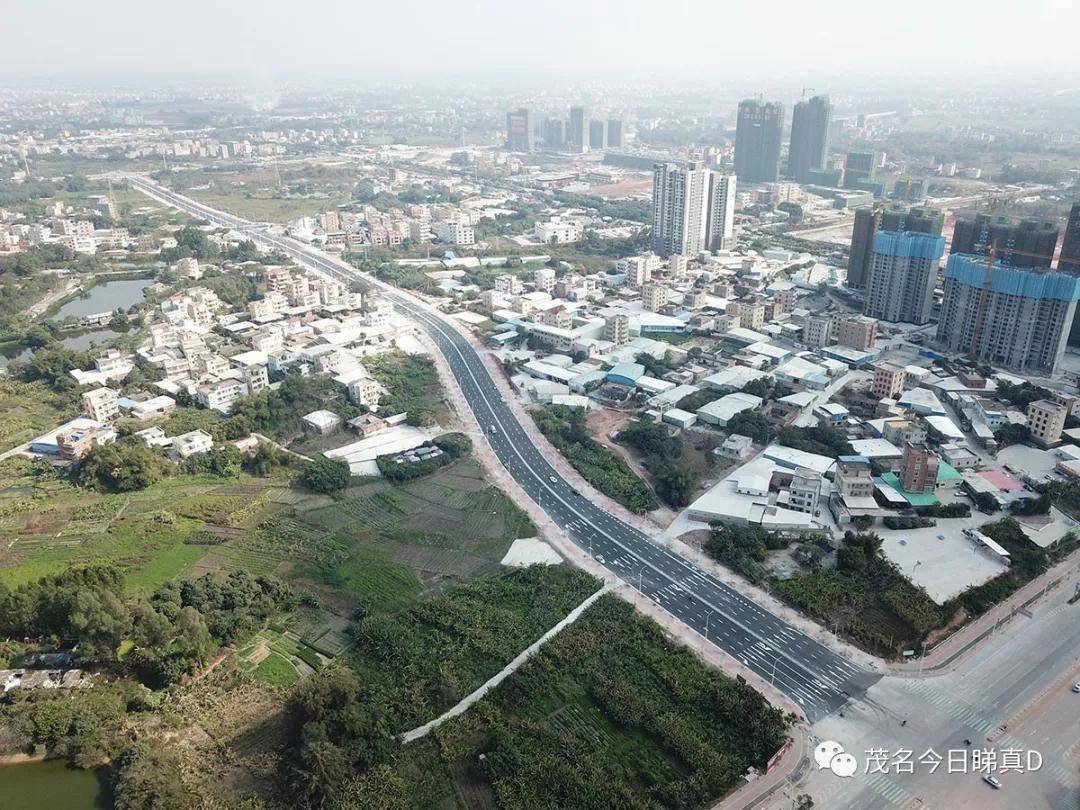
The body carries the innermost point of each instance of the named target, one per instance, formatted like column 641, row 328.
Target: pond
column 105, row 298
column 84, row 340
column 52, row 783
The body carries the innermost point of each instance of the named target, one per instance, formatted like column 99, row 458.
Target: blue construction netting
column 1038, row 283
column 909, row 245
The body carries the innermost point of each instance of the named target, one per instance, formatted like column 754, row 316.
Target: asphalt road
column 813, row 676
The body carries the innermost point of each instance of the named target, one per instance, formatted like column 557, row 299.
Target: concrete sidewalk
column 786, row 772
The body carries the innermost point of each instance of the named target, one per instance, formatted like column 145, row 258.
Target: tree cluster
column 157, row 639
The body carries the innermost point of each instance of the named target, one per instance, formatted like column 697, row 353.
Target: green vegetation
column 674, row 483
column 427, row 658
column 822, row 440
column 326, row 474
column 277, row 412
column 902, row 522
column 162, row 637
column 1012, row 434
column 453, row 445
column 124, row 466
column 865, row 597
column 744, row 549
column 1020, row 396
column 378, row 544
column 1028, row 562
column 29, row 410
column 412, row 386
column 565, row 429
column 608, row 714
column 752, row 423
column 958, row 509
column 698, row 399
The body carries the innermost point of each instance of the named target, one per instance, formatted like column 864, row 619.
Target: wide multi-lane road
column 812, row 675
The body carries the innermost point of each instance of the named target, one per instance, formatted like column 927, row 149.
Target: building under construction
column 1016, row 318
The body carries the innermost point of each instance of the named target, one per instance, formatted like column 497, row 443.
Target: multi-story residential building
column 617, row 329
column 654, row 297
column 855, row 331
column 680, row 208
column 918, row 469
column 559, row 317
column 544, row 280
column 615, row 133
column 1046, row 420
column 220, row 395
column 1017, row 318
column 720, row 225
column 1028, row 243
column 894, row 218
column 554, row 133
column 859, row 169
column 557, row 231
column 803, row 491
column 888, row 380
column 677, row 265
column 598, row 134
column 1069, row 262
column 901, row 431
column 817, row 331
column 640, row 269
column 752, row 314
column 509, row 284
column 809, row 137
column 853, row 477
column 188, row 444
column 256, row 377
column 902, row 276
column 75, row 443
column 784, row 299
column 101, row 404
column 577, row 130
column 455, row 233
column 758, row 132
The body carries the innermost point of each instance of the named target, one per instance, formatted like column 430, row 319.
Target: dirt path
column 507, row 671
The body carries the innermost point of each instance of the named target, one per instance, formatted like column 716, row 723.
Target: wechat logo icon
column 830, row 754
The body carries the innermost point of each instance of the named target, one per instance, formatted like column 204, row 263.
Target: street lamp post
column 707, row 620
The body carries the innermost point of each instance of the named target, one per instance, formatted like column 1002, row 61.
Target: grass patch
column 276, row 671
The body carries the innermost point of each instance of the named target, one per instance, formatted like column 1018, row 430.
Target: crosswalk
column 894, row 795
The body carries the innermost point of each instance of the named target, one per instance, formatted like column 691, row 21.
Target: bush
column 941, row 510
column 902, row 522
column 326, row 475
column 454, row 445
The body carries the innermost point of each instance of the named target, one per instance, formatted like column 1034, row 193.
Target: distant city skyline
column 279, row 39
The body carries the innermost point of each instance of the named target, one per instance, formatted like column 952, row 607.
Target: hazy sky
column 274, row 40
